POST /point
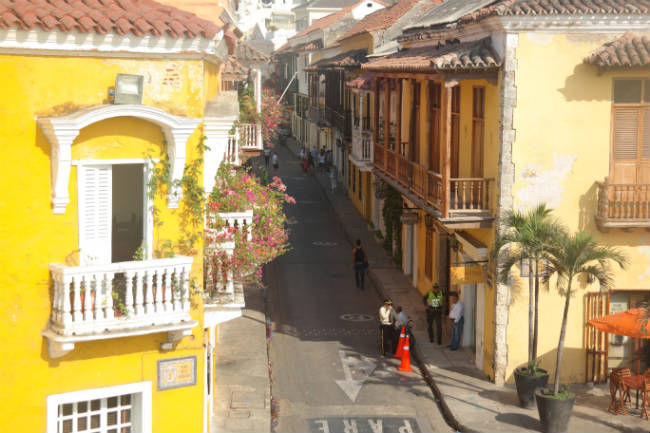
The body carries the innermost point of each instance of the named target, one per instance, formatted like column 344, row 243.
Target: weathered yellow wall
column 32, row 236
column 212, row 80
column 562, row 120
column 358, row 42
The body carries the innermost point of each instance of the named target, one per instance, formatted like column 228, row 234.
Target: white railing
column 362, row 145
column 248, row 136
column 218, row 285
column 232, row 150
column 119, row 296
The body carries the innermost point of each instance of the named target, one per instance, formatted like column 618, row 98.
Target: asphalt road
column 327, row 372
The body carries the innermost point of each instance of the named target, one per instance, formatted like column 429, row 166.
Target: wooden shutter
column 455, row 131
column 629, row 144
column 478, row 121
column 643, row 167
column 95, row 213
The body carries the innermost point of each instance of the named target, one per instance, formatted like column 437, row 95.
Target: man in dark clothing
column 359, row 261
column 433, row 300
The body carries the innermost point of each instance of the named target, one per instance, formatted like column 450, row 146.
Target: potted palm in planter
column 526, row 238
column 571, row 256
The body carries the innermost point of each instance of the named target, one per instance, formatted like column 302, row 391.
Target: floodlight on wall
column 428, row 220
column 128, row 89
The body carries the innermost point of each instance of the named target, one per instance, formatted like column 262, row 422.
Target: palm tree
column 574, row 255
column 528, row 236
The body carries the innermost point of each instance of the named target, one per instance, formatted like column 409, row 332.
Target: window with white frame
column 116, row 409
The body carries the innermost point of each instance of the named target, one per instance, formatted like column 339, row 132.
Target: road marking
column 325, row 244
column 363, row 365
column 364, row 425
column 356, row 317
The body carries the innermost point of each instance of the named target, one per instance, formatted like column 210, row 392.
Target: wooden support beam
column 387, row 82
column 376, row 113
column 446, row 149
column 398, row 113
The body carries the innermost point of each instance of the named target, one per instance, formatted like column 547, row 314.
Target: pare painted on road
column 364, row 425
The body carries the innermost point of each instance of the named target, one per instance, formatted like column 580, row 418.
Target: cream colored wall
column 562, row 146
column 364, row 40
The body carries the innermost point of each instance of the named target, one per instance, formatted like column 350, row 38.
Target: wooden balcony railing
column 467, row 196
column 623, row 205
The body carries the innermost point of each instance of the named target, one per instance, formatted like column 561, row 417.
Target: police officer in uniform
column 433, row 300
column 386, row 326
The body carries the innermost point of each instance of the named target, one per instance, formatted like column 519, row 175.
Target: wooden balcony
column 625, row 206
column 461, row 200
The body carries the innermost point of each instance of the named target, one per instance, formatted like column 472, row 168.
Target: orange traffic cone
column 406, row 357
column 400, row 344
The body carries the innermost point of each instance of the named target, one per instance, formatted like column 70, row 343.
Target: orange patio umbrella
column 631, row 323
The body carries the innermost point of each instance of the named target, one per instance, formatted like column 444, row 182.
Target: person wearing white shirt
column 457, row 319
column 386, row 320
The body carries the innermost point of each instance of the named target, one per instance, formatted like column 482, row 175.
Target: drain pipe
column 287, row 88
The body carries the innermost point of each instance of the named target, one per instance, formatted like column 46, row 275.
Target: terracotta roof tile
column 451, row 56
column 247, row 52
column 364, row 81
column 628, row 51
column 307, row 46
column 384, row 18
column 347, row 59
column 448, row 13
column 232, row 69
column 140, row 17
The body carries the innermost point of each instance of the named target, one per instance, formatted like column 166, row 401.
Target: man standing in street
column 359, row 261
column 433, row 300
column 267, row 156
column 386, row 320
column 457, row 320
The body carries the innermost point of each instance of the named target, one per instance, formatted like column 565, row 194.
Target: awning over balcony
column 452, row 56
column 362, row 82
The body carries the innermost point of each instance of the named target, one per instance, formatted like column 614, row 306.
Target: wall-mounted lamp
column 128, row 89
column 453, row 242
column 428, row 220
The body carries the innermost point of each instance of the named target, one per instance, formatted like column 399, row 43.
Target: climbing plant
column 239, row 190
column 392, row 211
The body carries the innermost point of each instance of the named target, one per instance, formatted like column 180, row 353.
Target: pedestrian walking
column 302, row 153
column 276, row 162
column 333, row 178
column 267, row 155
column 321, row 162
column 457, row 320
column 360, row 263
column 305, row 165
column 433, row 300
column 314, row 153
column 310, row 161
column 329, row 159
column 386, row 328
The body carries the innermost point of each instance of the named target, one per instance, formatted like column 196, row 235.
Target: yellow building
column 103, row 118
column 494, row 108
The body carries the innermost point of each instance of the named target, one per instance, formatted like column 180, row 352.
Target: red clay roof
column 347, row 59
column 628, row 51
column 364, row 81
column 384, row 18
column 451, row 56
column 234, row 70
column 247, row 52
column 140, row 17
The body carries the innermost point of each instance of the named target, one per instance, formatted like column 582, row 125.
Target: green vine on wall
column 192, row 202
column 392, row 211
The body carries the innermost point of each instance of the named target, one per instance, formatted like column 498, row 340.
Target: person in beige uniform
column 386, row 326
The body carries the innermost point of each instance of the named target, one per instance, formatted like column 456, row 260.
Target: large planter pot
column 527, row 385
column 554, row 413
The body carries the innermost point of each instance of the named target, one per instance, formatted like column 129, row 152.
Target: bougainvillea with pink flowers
column 238, row 191
column 273, row 113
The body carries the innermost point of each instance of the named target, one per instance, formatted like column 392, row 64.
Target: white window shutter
column 95, row 214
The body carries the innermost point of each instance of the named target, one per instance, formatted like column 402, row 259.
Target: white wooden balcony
column 119, row 300
column 250, row 137
column 362, row 148
column 224, row 297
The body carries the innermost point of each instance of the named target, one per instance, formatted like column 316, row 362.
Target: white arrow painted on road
column 363, row 365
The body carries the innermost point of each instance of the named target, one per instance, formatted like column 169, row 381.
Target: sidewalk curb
column 417, row 355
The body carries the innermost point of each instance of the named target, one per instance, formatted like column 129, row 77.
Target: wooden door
column 596, row 342
column 478, row 128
